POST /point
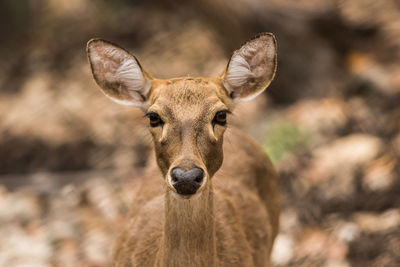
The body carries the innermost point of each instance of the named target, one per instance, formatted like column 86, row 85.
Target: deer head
column 187, row 116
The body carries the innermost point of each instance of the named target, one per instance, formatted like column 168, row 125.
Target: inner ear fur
column 251, row 68
column 118, row 73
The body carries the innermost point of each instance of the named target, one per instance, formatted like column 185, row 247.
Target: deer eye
column 220, row 117
column 155, row 119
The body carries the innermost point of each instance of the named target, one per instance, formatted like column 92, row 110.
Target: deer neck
column 188, row 237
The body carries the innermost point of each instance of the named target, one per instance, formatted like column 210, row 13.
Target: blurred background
column 71, row 160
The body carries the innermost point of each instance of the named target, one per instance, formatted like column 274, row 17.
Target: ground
column 71, row 160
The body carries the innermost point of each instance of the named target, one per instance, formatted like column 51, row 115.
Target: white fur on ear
column 118, row 73
column 131, row 75
column 251, row 68
column 238, row 72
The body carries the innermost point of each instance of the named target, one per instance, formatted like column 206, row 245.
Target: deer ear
column 118, row 73
column 251, row 68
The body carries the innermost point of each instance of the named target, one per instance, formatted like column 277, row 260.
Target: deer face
column 187, row 116
column 187, row 122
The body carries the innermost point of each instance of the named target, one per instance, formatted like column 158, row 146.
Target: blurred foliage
column 284, row 138
column 14, row 17
column 64, row 148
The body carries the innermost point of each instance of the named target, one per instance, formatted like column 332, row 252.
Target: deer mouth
column 184, row 197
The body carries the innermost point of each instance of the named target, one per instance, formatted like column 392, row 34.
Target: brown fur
column 233, row 218
column 233, row 221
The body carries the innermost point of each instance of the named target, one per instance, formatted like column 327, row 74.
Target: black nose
column 187, row 182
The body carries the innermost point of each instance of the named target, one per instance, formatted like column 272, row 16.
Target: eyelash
column 220, row 117
column 155, row 119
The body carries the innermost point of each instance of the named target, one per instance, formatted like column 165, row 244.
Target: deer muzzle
column 187, row 182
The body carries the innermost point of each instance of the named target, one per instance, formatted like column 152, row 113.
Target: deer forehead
column 188, row 98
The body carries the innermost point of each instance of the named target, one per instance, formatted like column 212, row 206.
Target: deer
column 209, row 194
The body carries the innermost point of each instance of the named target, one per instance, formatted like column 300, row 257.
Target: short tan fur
column 209, row 195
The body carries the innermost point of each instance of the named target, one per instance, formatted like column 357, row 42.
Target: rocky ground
column 71, row 161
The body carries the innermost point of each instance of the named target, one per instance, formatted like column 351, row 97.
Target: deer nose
column 187, row 182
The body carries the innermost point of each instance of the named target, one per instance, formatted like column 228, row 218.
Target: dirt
column 71, row 161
